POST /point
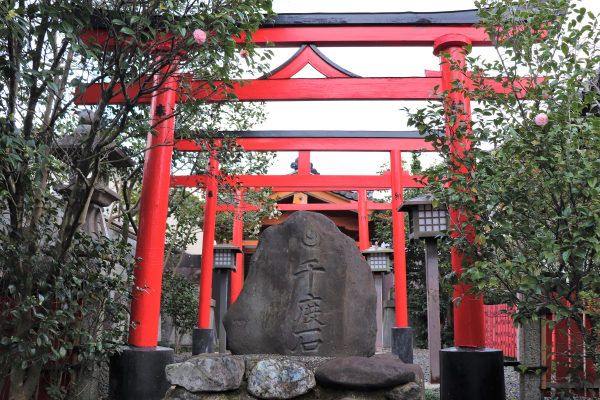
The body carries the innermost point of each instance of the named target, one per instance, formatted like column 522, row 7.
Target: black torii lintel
column 325, row 134
column 457, row 18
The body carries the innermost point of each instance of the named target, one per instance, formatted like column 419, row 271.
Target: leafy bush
column 527, row 183
column 70, row 315
column 180, row 301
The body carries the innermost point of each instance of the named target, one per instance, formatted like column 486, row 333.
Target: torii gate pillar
column 402, row 334
column 143, row 358
column 469, row 370
column 203, row 337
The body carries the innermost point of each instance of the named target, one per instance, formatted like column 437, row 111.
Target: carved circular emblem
column 311, row 237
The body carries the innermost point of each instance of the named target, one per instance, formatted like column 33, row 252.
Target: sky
column 366, row 62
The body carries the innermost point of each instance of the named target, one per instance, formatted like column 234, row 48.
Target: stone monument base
column 317, row 393
column 246, row 377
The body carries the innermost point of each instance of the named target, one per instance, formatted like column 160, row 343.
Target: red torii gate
column 449, row 31
column 304, row 142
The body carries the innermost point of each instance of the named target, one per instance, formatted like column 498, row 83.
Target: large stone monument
column 309, row 291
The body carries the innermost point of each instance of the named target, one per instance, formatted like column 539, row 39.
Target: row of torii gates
column 442, row 32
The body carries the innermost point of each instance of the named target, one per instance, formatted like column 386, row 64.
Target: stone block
column 378, row 372
column 275, row 379
column 207, row 373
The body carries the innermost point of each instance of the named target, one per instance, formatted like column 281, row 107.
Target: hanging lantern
column 225, row 255
column 424, row 220
column 378, row 258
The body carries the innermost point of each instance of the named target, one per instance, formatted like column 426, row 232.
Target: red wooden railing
column 499, row 330
column 562, row 350
column 564, row 354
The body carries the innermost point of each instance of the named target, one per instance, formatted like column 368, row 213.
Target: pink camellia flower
column 541, row 119
column 199, row 36
column 244, row 53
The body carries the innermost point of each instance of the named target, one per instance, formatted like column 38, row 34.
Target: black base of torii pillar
column 402, row 343
column 471, row 373
column 203, row 341
column 139, row 373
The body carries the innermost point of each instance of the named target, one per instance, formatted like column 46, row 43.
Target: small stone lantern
column 423, row 219
column 378, row 258
column 68, row 149
column 223, row 264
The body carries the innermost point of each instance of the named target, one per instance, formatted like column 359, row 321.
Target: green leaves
column 128, row 31
column 529, row 193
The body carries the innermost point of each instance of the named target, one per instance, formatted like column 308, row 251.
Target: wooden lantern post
column 427, row 222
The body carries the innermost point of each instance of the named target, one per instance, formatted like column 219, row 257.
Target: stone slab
column 377, row 372
column 402, row 343
column 207, row 373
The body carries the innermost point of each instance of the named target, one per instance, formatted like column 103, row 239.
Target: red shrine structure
column 446, row 32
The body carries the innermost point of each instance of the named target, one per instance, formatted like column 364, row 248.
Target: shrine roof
column 351, row 195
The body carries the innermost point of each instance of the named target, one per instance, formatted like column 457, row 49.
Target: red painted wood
column 313, row 207
column 398, row 184
column 308, row 56
column 302, row 182
column 296, row 90
column 361, row 36
column 320, row 144
column 333, row 207
column 237, row 277
column 576, row 349
column 590, row 370
column 500, row 332
column 561, row 349
column 145, row 307
column 433, row 74
column 208, row 248
column 406, row 88
column 469, row 317
column 338, row 36
column 363, row 220
column 304, row 163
